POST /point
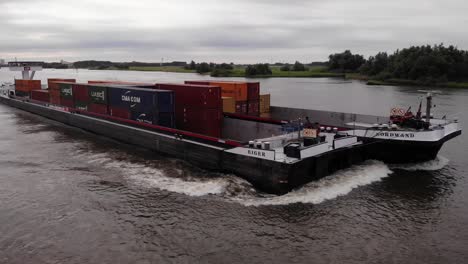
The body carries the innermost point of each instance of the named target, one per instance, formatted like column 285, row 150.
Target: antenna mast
column 428, row 107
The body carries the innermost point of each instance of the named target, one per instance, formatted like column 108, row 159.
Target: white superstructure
column 275, row 152
column 26, row 67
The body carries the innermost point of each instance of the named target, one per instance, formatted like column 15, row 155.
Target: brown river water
column 67, row 196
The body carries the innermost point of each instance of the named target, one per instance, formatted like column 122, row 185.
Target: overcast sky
column 240, row 31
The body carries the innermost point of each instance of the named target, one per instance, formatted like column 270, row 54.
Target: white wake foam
column 331, row 187
column 172, row 178
column 432, row 165
column 156, row 178
column 144, row 175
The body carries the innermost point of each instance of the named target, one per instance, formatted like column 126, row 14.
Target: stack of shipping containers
column 134, row 103
column 253, row 98
column 54, row 89
column 236, row 90
column 24, row 87
column 66, row 94
column 98, row 99
column 150, row 106
column 119, row 83
column 245, row 94
column 198, row 108
column 81, row 96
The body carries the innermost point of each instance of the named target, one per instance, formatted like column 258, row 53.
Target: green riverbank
column 402, row 82
column 312, row 72
column 162, row 69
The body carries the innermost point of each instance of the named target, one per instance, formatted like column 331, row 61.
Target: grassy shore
column 312, row 72
column 457, row 85
column 162, row 69
column 402, row 82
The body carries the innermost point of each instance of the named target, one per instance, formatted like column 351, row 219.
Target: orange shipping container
column 27, row 85
column 229, row 105
column 236, row 90
column 265, row 103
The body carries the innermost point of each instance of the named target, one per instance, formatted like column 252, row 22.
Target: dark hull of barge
column 265, row 175
column 401, row 152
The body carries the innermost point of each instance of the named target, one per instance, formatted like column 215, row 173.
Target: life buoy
column 397, row 112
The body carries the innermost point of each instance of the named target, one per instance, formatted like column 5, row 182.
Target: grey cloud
column 274, row 31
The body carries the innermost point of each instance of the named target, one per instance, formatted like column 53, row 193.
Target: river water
column 67, row 196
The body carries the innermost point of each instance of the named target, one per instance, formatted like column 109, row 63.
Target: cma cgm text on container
column 144, row 105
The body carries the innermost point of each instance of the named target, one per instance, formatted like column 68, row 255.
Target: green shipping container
column 98, row 94
column 66, row 90
column 81, row 105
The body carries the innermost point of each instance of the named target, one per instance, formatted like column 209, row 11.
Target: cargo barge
column 276, row 152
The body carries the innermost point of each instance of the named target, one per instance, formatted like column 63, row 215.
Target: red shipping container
column 80, row 93
column 241, row 107
column 188, row 95
column 119, row 83
column 52, row 83
column 54, row 93
column 54, row 100
column 253, row 88
column 253, row 108
column 98, row 109
column 119, row 112
column 253, row 91
column 54, row 97
column 27, row 85
column 205, row 121
column 198, row 82
column 67, row 102
column 40, row 95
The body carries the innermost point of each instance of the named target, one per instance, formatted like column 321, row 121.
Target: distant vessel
column 276, row 152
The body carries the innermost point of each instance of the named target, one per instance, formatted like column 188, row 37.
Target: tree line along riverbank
column 418, row 65
column 436, row 65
